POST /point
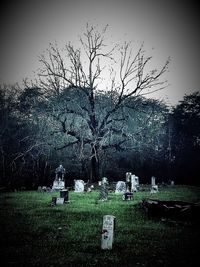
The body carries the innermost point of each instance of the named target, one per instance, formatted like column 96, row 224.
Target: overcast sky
column 171, row 28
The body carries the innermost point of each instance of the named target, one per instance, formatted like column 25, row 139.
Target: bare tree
column 82, row 70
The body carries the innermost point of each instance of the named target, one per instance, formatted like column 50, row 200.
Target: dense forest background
column 64, row 118
column 153, row 140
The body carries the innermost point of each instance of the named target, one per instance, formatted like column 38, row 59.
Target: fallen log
column 172, row 209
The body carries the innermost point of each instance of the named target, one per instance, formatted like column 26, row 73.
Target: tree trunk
column 94, row 167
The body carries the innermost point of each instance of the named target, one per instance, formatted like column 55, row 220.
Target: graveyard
column 98, row 163
column 38, row 232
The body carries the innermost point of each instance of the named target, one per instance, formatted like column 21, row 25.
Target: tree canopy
column 66, row 117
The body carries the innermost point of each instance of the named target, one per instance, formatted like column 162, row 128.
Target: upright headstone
column 107, row 232
column 154, row 187
column 79, row 186
column 64, row 194
column 104, row 189
column 134, row 183
column 128, row 181
column 53, row 201
column 153, row 181
column 120, row 187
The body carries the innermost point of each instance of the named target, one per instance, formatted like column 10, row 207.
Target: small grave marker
column 57, row 201
column 60, row 200
column 108, row 231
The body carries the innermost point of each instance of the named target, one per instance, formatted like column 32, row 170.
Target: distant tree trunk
column 94, row 166
column 3, row 165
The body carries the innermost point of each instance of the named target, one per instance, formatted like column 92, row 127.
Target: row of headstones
column 121, row 186
column 131, row 184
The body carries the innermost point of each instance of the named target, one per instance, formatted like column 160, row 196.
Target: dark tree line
column 64, row 117
column 151, row 140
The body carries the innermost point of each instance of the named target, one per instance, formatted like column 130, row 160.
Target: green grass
column 33, row 233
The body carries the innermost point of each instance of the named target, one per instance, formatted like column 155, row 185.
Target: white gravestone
column 153, row 181
column 120, row 187
column 154, row 187
column 79, row 186
column 57, row 200
column 60, row 200
column 107, row 232
column 58, row 185
column 134, row 183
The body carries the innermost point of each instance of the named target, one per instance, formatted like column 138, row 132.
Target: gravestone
column 53, row 201
column 104, row 189
column 134, row 183
column 60, row 200
column 57, row 200
column 154, row 187
column 108, row 231
column 64, row 194
column 153, row 181
column 79, row 186
column 59, row 183
column 120, row 187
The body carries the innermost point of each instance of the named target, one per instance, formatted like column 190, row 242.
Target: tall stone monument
column 59, row 182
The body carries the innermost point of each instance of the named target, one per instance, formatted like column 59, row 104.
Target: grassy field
column 33, row 233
